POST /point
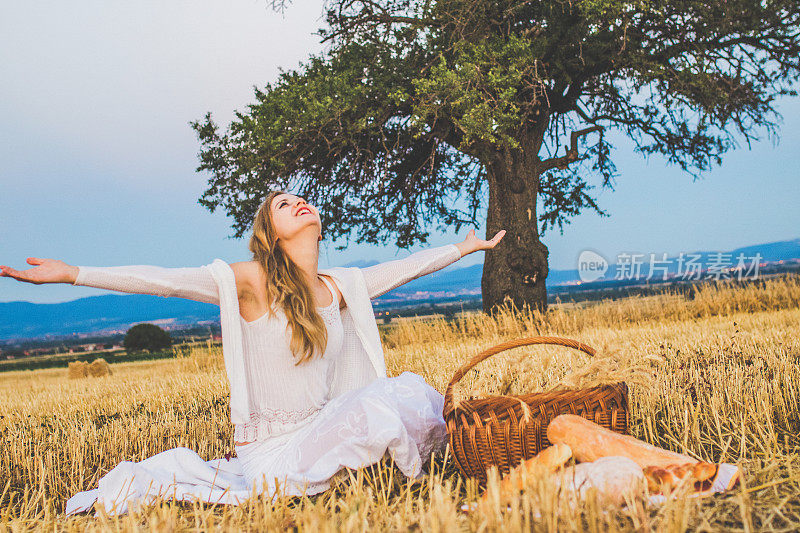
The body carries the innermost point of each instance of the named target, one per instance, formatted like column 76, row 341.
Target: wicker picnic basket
column 506, row 430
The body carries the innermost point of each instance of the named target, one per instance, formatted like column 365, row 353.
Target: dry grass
column 716, row 376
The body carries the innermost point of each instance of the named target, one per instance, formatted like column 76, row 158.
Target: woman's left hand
column 472, row 243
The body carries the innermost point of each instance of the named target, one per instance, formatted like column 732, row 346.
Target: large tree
column 415, row 106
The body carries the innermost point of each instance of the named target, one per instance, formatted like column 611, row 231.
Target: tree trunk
column 515, row 270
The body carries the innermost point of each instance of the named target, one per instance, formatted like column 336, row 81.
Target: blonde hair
column 287, row 287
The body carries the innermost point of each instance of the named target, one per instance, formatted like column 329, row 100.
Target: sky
column 97, row 158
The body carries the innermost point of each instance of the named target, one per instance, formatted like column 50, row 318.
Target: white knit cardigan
column 361, row 360
column 354, row 369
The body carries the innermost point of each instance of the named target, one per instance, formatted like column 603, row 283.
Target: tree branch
column 348, row 22
column 572, row 152
column 391, row 19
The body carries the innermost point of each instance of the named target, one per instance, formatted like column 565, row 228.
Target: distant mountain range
column 106, row 314
column 115, row 313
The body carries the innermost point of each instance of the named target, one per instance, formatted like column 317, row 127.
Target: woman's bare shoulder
column 247, row 274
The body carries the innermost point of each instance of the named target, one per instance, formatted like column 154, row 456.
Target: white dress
column 301, row 437
column 284, row 395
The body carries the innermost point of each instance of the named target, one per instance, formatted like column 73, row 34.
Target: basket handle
column 461, row 372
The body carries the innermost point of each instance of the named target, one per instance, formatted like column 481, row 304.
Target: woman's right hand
column 45, row 271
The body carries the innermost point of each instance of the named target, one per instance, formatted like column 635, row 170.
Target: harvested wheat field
column 715, row 375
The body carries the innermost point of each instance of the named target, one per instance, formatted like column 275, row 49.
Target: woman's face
column 293, row 217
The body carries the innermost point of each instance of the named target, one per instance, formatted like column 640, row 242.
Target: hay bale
column 99, row 368
column 77, row 369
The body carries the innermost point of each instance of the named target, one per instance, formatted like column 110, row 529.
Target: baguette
column 551, row 458
column 590, row 442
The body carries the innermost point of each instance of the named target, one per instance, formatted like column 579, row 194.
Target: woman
column 303, row 357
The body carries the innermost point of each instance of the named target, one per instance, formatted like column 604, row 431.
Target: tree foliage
column 388, row 128
column 147, row 337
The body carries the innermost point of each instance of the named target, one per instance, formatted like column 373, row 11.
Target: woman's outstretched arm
column 193, row 283
column 389, row 275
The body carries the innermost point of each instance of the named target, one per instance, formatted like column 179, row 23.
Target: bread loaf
column 662, row 480
column 551, row 459
column 590, row 442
